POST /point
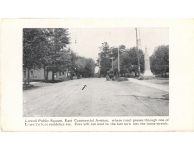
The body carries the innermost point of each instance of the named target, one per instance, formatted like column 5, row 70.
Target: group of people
column 111, row 75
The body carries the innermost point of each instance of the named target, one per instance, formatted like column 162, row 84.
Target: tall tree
column 90, row 67
column 44, row 47
column 104, row 59
column 159, row 61
column 34, row 48
column 58, row 39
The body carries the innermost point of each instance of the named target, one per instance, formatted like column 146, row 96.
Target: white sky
column 88, row 40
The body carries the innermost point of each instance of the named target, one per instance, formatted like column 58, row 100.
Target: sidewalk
column 148, row 84
column 36, row 84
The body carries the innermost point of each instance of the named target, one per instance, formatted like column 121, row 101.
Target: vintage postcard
column 96, row 75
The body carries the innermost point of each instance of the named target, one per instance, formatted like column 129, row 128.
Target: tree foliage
column 104, row 59
column 47, row 48
column 84, row 67
column 159, row 61
column 34, row 47
column 129, row 61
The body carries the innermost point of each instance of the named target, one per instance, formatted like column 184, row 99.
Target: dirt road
column 98, row 98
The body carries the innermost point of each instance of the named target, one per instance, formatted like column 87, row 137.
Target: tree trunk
column 24, row 76
column 45, row 73
column 53, row 77
column 28, row 76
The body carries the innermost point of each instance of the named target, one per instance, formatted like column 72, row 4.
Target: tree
column 45, row 47
column 133, row 59
column 104, row 59
column 85, row 67
column 90, row 67
column 114, row 52
column 80, row 64
column 122, row 47
column 58, row 39
column 34, row 48
column 129, row 61
column 159, row 61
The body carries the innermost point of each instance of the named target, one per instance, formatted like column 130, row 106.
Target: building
column 41, row 74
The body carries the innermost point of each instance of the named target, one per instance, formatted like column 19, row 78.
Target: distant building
column 40, row 74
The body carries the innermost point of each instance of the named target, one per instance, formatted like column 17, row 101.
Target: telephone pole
column 137, row 47
column 112, row 58
column 118, row 63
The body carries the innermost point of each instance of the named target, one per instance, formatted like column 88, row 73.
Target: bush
column 122, row 79
column 140, row 77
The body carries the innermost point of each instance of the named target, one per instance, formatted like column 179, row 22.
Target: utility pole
column 99, row 55
column 118, row 63
column 112, row 64
column 112, row 58
column 137, row 47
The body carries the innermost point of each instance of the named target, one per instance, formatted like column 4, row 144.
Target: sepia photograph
column 95, row 72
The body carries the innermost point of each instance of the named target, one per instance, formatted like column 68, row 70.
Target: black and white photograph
column 95, row 72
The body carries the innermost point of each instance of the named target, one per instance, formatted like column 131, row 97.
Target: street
column 95, row 97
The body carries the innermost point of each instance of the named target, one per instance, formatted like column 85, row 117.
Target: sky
column 87, row 41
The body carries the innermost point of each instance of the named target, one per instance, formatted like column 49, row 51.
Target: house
column 40, row 74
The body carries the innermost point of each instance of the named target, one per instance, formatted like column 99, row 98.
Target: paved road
column 98, row 98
